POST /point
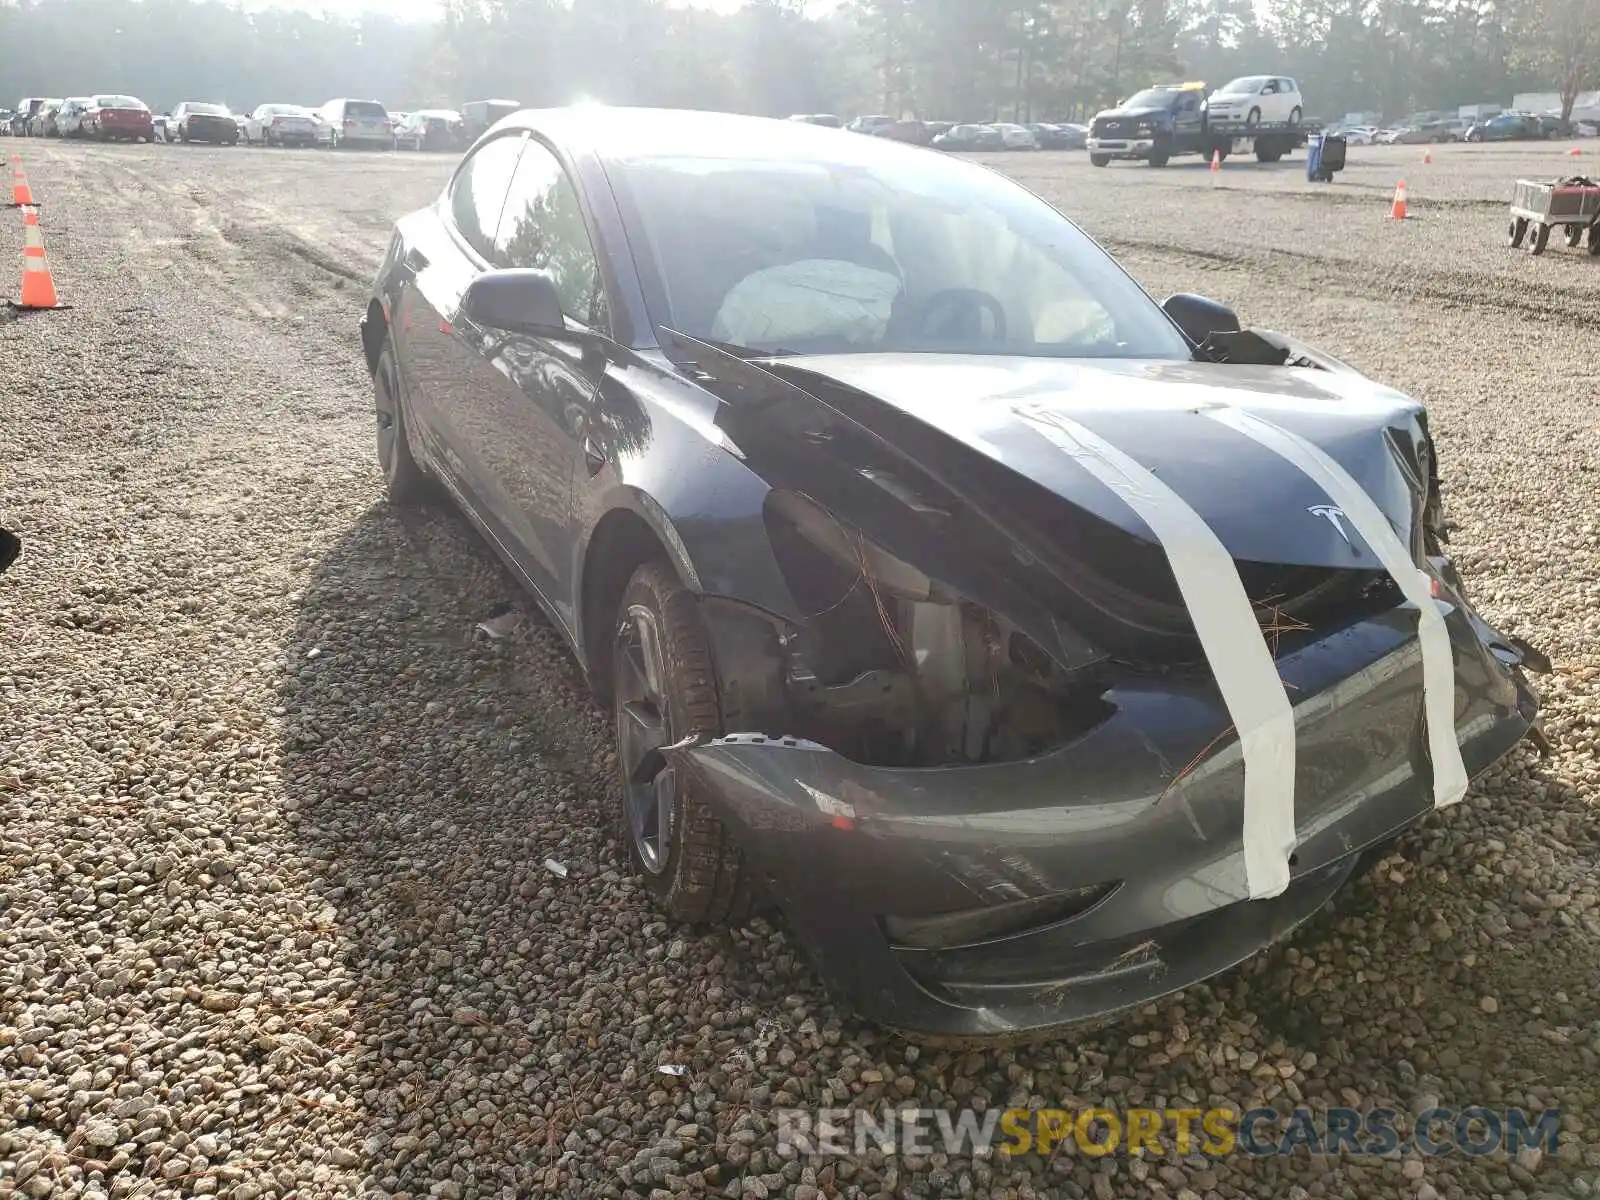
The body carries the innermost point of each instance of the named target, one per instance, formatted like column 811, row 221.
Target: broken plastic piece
column 502, row 619
column 672, row 1069
column 555, row 868
column 1244, row 347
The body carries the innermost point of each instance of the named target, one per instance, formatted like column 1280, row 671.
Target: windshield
column 284, row 110
column 365, row 108
column 1247, row 86
column 1150, row 98
column 117, row 102
column 899, row 255
column 208, row 110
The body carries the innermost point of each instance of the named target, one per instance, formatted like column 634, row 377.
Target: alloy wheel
column 644, row 726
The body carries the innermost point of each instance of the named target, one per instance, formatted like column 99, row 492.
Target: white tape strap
column 1438, row 663
column 1229, row 634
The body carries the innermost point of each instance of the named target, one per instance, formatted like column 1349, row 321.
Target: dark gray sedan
column 1037, row 648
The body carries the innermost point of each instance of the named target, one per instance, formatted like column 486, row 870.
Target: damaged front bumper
column 1004, row 898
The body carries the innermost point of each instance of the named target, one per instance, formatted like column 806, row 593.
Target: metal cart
column 1537, row 208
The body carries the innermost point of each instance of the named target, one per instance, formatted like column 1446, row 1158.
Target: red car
column 111, row 117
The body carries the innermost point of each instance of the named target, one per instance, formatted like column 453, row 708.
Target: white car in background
column 281, row 125
column 1256, row 100
column 69, row 118
column 1017, row 137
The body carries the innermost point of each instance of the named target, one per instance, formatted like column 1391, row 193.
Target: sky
column 426, row 10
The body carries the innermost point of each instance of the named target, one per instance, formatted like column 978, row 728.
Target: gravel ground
column 273, row 914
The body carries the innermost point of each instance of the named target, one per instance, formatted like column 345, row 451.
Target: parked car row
column 959, row 136
column 105, row 118
column 336, row 124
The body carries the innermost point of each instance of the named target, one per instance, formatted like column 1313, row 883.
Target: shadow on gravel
column 512, row 996
column 513, row 992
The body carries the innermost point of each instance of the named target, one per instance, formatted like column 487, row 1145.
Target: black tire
column 1268, row 154
column 1253, row 119
column 1538, row 237
column 1594, row 240
column 1160, row 156
column 687, row 861
column 1099, row 160
column 1294, row 115
column 1574, row 236
column 1516, row 231
column 406, row 483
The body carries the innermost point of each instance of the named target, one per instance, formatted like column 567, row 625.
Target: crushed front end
column 1000, row 897
column 988, row 771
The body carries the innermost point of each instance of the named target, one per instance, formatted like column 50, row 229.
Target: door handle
column 594, row 458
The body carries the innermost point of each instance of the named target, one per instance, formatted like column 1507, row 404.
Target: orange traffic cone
column 38, row 288
column 1427, row 157
column 20, row 192
column 1397, row 210
column 1575, row 151
column 1216, row 165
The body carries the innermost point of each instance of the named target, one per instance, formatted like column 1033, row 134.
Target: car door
column 455, row 395
column 535, row 435
column 1267, row 102
column 1187, row 119
column 1286, row 99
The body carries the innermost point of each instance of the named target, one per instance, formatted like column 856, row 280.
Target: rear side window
column 364, row 109
column 543, row 228
column 478, row 192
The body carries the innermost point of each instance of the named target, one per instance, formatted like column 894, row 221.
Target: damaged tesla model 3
column 1036, row 648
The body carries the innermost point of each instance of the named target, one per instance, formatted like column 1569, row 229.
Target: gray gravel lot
column 273, row 919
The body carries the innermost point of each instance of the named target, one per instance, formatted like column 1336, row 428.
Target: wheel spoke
column 643, row 728
column 640, row 735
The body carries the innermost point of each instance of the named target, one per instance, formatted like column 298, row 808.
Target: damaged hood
column 1263, row 509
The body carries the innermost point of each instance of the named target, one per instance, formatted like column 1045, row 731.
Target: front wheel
column 1516, row 231
column 1253, row 119
column 1099, row 160
column 664, row 689
column 1538, row 237
column 403, row 479
column 1294, row 115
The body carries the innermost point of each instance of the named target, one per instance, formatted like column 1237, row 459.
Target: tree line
column 950, row 59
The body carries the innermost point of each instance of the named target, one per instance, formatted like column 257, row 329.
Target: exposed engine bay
column 896, row 669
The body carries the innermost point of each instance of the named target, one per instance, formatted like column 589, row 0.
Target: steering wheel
column 956, row 314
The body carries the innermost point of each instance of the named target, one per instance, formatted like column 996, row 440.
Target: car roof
column 619, row 132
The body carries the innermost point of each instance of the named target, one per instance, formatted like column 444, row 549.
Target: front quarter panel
column 667, row 461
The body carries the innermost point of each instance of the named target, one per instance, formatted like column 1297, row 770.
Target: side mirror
column 515, row 299
column 1198, row 317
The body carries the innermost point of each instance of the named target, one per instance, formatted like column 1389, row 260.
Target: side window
column 478, row 192
column 1270, row 88
column 543, row 228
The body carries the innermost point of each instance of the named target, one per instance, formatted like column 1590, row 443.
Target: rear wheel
column 1594, row 240
column 1515, row 231
column 1538, row 238
column 403, row 479
column 664, row 688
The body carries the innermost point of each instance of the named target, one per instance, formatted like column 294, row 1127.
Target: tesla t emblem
column 1334, row 515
